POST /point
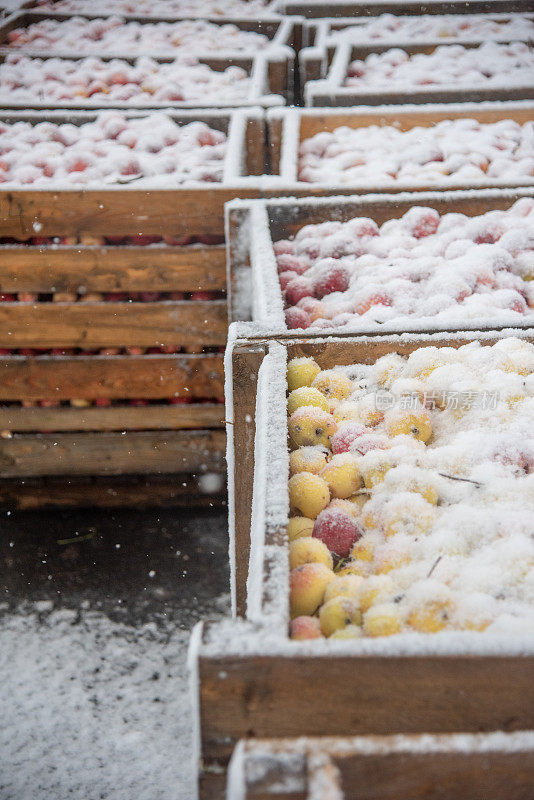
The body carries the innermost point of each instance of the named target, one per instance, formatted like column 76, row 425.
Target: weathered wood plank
column 113, row 269
column 317, row 9
column 126, row 491
column 122, row 418
column 89, row 325
column 380, row 209
column 26, row 213
column 312, row 123
column 478, row 767
column 151, row 377
column 276, row 695
column 245, row 365
column 112, row 453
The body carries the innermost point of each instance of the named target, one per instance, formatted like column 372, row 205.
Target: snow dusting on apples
column 450, row 152
column 490, row 64
column 115, row 35
column 164, row 8
column 113, row 149
column 423, row 267
column 95, row 82
column 390, row 27
column 434, row 531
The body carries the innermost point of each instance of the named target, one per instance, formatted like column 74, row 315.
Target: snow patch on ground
column 93, row 709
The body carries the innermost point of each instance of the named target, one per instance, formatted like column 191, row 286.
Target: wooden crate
column 156, row 438
column 288, row 128
column 332, row 92
column 272, row 69
column 271, row 84
column 315, row 9
column 254, row 225
column 279, row 31
column 195, row 209
column 475, row 766
column 251, row 262
column 320, row 41
column 253, row 682
column 161, row 437
column 34, row 4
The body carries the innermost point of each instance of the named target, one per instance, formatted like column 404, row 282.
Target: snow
column 245, row 639
column 97, row 708
column 270, row 507
column 448, row 152
column 497, row 293
column 153, row 150
column 230, row 459
column 438, row 27
column 93, row 82
column 114, row 36
column 467, row 561
column 490, row 64
column 163, row 8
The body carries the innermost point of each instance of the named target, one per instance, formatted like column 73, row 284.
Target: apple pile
column 163, row 8
column 490, row 64
column 113, row 35
column 152, row 149
column 451, row 151
column 93, row 81
column 106, row 402
column 412, row 493
column 388, row 27
column 424, row 267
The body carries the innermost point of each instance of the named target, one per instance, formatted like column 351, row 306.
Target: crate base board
column 126, row 491
column 112, row 453
column 479, row 766
column 292, row 695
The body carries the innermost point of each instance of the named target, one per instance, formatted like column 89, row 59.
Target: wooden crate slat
column 316, row 9
column 27, row 213
column 278, row 30
column 111, row 492
column 90, row 325
column 112, row 453
column 112, row 269
column 116, row 377
column 475, row 766
column 124, row 418
column 290, row 695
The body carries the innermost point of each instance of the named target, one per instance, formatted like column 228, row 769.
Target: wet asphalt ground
column 95, row 613
column 134, row 566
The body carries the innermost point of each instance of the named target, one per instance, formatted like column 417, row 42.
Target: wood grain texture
column 380, row 209
column 25, row 213
column 312, row 123
column 245, row 366
column 113, row 269
column 377, row 768
column 317, row 9
column 89, row 325
column 122, row 418
column 117, row 377
column 151, row 491
column 265, row 696
column 112, row 453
